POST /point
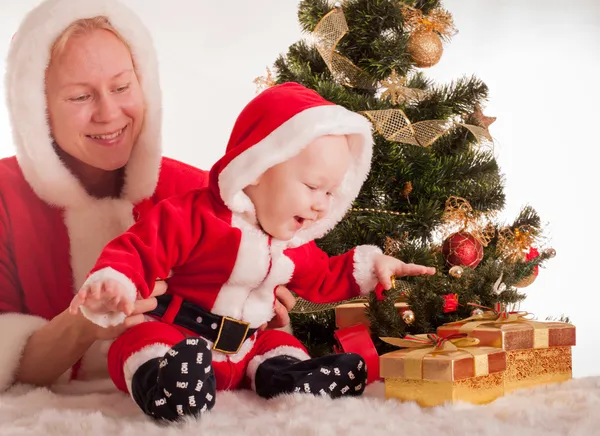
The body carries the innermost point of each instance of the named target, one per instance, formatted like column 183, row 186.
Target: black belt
column 226, row 334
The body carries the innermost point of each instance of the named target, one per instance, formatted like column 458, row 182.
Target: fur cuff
column 138, row 358
column 111, row 318
column 364, row 273
column 284, row 350
column 16, row 329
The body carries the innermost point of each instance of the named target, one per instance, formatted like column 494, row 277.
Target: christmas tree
column 434, row 190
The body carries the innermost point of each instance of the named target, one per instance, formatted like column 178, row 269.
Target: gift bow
column 498, row 316
column 426, row 344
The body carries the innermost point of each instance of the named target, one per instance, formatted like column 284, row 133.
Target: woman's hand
column 284, row 302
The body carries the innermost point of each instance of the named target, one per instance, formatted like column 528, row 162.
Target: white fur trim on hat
column 16, row 328
column 27, row 61
column 297, row 133
column 111, row 318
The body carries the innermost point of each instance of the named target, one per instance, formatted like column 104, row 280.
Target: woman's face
column 95, row 103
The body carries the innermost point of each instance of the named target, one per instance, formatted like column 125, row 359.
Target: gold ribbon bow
column 433, row 344
column 495, row 319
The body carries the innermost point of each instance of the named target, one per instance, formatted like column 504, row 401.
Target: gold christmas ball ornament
column 526, row 281
column 408, row 316
column 425, row 48
column 456, row 272
column 477, row 312
column 551, row 252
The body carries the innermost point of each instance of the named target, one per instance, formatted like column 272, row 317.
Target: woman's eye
column 122, row 88
column 80, row 98
column 312, row 188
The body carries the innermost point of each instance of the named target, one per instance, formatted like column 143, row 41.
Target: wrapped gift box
column 432, row 377
column 353, row 313
column 537, row 353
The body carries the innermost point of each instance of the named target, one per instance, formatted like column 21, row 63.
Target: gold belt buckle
column 242, row 339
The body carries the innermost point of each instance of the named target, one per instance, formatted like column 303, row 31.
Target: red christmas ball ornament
column 462, row 248
column 450, row 302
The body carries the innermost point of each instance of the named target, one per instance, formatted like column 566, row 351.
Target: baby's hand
column 387, row 266
column 103, row 296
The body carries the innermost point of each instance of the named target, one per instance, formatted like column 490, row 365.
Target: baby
column 293, row 166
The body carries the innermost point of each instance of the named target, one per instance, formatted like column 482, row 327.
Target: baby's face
column 296, row 193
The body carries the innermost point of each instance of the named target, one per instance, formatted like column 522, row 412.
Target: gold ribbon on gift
column 495, row 319
column 425, row 345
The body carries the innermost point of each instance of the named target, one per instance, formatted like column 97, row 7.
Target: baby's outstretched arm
column 323, row 279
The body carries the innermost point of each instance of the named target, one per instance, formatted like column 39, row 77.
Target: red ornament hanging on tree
column 469, row 232
column 463, row 249
column 450, row 303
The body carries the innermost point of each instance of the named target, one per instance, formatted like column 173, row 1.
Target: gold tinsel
column 306, row 307
column 513, row 244
column 438, row 20
column 459, row 213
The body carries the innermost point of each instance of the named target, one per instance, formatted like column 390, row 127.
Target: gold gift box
column 519, row 335
column 349, row 314
column 537, row 353
column 445, row 377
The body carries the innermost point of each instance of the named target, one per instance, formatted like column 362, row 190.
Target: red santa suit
column 51, row 229
column 223, row 262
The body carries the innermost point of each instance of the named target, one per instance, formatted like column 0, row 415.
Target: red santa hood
column 27, row 61
column 274, row 127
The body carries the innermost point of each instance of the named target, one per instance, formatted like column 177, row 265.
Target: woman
column 86, row 118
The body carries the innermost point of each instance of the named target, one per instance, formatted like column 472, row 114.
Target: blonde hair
column 81, row 27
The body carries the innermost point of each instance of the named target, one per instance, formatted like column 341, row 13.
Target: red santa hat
column 277, row 125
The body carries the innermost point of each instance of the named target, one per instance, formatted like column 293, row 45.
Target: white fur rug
column 571, row 408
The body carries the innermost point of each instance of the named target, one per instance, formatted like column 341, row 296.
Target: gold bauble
column 477, row 312
column 425, row 48
column 456, row 271
column 408, row 316
column 526, row 281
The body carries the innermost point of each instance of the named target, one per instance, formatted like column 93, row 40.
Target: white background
column 540, row 59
